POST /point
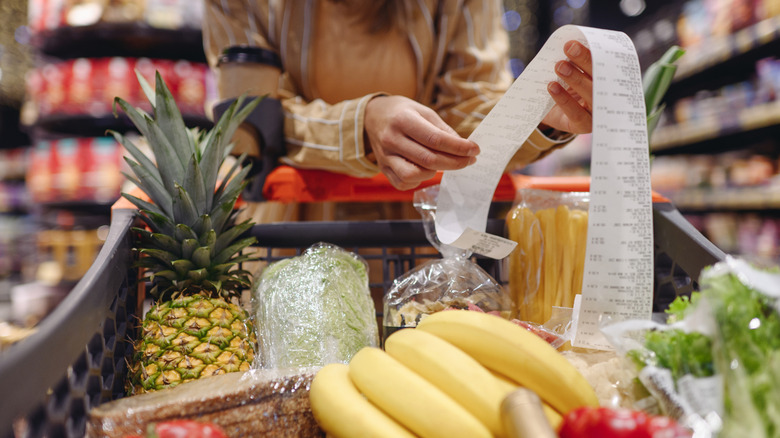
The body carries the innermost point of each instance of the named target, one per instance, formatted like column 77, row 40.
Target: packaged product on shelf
column 49, row 15
column 75, row 170
column 712, row 365
column 545, row 271
column 86, row 87
column 451, row 282
column 314, row 309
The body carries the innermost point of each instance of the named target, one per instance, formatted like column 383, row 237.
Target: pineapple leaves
column 188, row 247
column 170, row 165
column 202, row 257
column 166, row 243
column 171, row 122
column 193, row 179
column 163, row 256
column 230, row 235
column 226, row 254
column 184, row 209
column 146, row 87
column 184, row 232
column 143, row 205
column 139, row 156
column 182, row 267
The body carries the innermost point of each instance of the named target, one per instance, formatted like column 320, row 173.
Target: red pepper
column 604, row 422
column 183, row 429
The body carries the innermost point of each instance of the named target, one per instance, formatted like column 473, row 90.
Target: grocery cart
column 77, row 358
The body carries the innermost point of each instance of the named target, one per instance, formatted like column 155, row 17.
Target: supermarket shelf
column 736, row 199
column 667, row 138
column 122, row 39
column 719, row 51
column 91, row 126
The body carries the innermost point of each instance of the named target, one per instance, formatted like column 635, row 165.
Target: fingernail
column 564, row 68
column 574, row 49
column 473, row 152
column 472, row 160
column 554, row 88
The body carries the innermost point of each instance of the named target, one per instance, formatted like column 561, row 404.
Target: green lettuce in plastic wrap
column 314, row 309
column 720, row 351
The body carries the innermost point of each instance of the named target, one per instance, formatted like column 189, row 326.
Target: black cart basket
column 77, row 358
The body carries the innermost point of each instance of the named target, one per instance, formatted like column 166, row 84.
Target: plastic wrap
column 453, row 281
column 268, row 403
column 715, row 366
column 314, row 309
column 545, row 270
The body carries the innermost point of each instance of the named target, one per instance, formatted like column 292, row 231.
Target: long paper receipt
column 617, row 281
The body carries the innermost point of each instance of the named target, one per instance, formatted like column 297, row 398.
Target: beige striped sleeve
column 476, row 74
column 329, row 137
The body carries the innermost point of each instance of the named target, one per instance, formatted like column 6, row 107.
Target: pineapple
column 192, row 248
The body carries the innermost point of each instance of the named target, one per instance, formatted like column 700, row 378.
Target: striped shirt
column 460, row 65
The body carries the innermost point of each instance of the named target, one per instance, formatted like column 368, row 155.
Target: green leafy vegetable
column 656, row 81
column 745, row 350
column 314, row 309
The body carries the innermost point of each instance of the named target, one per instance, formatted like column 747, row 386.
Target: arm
column 475, row 77
column 314, row 134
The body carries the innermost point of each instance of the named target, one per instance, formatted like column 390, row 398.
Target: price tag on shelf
column 618, row 279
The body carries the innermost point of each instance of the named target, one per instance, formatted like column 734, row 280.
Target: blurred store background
column 716, row 152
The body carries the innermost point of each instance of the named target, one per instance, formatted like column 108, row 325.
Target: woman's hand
column 573, row 104
column 411, row 142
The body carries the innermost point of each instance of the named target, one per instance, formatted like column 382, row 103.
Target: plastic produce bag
column 715, row 366
column 314, row 309
column 545, row 270
column 453, row 281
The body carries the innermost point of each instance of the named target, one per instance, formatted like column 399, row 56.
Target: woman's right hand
column 411, row 142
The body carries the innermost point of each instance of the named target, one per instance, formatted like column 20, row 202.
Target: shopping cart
column 77, row 358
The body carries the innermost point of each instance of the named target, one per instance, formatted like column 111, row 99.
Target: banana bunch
column 446, row 378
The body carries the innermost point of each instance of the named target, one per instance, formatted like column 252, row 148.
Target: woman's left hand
column 573, row 103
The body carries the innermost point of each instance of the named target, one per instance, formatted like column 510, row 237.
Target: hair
column 378, row 15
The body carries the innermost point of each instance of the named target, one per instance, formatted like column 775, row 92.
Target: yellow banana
column 553, row 417
column 453, row 371
column 516, row 353
column 410, row 399
column 343, row 412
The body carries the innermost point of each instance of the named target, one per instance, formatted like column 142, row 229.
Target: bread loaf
column 266, row 403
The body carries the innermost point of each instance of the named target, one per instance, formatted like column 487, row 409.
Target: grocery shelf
column 133, row 39
column 718, row 51
column 668, row 138
column 732, row 199
column 85, row 125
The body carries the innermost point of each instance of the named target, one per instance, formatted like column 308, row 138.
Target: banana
column 516, row 353
column 453, row 371
column 342, row 412
column 410, row 399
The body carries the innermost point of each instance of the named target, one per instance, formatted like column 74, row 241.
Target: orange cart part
column 287, row 184
column 563, row 184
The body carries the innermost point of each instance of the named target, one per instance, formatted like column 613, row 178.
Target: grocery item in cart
column 314, row 309
column 714, row 365
column 451, row 282
column 546, row 269
column 191, row 248
column 268, row 403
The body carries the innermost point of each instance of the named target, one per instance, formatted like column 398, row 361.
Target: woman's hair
column 378, row 15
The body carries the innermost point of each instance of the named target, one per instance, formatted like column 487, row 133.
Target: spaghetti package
column 545, row 270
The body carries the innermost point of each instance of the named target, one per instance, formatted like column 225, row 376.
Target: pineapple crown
column 192, row 244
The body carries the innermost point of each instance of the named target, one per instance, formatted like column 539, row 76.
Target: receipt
column 618, row 281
